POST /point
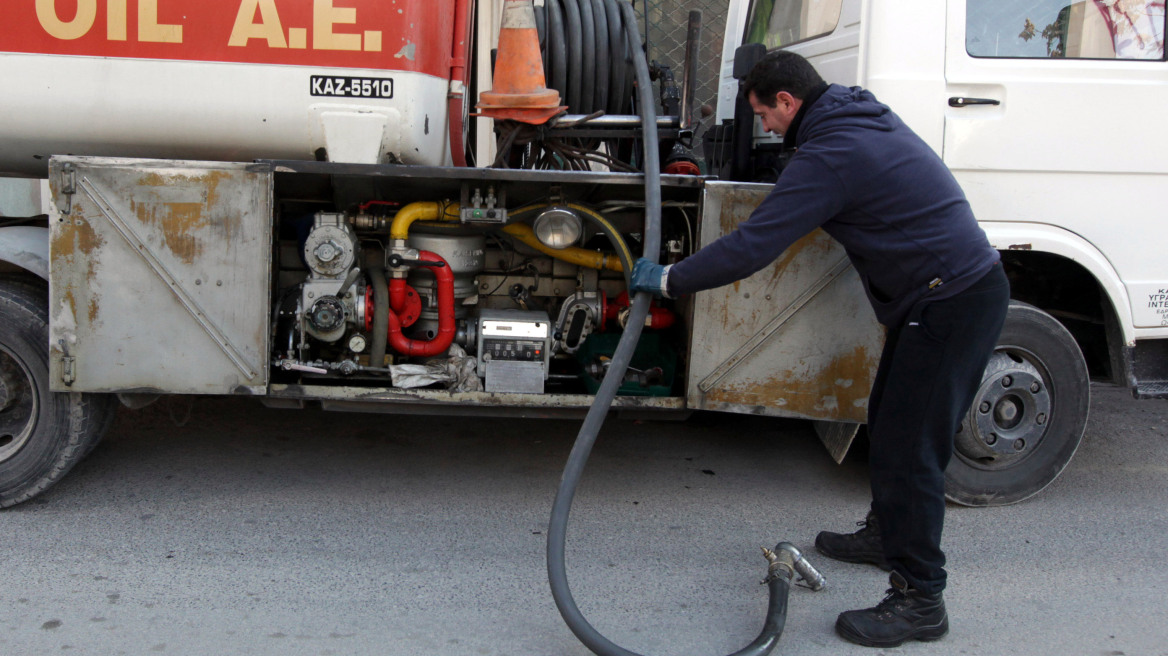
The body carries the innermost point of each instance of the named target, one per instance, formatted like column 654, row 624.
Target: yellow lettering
column 297, row 38
column 46, row 11
column 372, row 41
column 324, row 17
column 115, row 20
column 268, row 28
column 148, row 28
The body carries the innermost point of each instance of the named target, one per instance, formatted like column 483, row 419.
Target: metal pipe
column 689, row 77
column 446, row 326
column 614, row 121
column 458, row 81
column 421, row 211
column 788, row 556
column 578, row 256
column 623, row 254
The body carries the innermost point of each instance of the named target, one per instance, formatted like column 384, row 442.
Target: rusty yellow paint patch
column 737, row 206
column 177, row 223
column 212, row 181
column 837, row 391
column 209, row 180
column 813, row 247
column 76, row 249
column 75, row 236
column 183, row 209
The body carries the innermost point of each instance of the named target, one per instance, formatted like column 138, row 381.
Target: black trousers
column 930, row 369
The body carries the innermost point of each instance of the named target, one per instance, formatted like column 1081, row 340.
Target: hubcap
column 1010, row 413
column 18, row 405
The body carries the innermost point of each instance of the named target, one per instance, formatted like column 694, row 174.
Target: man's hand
column 649, row 277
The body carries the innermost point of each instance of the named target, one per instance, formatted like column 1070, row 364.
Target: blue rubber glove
column 649, row 277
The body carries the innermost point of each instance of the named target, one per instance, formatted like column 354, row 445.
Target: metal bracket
column 752, row 344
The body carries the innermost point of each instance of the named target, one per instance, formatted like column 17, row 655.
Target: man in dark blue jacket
column 859, row 173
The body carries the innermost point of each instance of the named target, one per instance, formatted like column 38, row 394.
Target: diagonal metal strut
column 757, row 340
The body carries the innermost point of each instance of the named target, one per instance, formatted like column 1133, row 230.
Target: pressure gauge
column 357, row 343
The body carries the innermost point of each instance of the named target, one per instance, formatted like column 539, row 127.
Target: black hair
column 781, row 71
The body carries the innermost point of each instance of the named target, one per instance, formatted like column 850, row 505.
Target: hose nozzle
column 786, row 560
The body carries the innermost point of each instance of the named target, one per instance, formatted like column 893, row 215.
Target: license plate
column 351, row 87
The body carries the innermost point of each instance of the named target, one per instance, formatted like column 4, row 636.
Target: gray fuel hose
column 784, row 560
column 380, row 337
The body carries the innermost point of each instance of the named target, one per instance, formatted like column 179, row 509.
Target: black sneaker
column 905, row 614
column 863, row 546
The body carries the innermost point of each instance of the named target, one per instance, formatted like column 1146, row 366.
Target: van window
column 1087, row 29
column 777, row 23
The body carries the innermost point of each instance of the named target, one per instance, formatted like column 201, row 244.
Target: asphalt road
column 222, row 527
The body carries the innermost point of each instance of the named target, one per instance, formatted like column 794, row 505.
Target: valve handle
column 396, row 261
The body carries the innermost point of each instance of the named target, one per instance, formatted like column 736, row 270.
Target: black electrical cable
column 588, row 45
column 380, row 316
column 779, row 579
column 541, row 29
column 603, row 54
column 557, row 46
column 572, row 30
column 617, row 99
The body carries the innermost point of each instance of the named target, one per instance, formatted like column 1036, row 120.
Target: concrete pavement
column 225, row 528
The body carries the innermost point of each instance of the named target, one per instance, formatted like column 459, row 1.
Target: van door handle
column 962, row 101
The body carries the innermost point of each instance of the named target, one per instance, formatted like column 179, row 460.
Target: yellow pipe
column 572, row 255
column 422, row 211
column 612, row 234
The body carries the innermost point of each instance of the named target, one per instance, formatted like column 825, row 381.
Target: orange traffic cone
column 520, row 89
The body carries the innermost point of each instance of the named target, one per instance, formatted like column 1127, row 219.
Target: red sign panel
column 403, row 35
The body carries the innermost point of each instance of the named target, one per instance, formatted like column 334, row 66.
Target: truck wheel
column 43, row 434
column 1028, row 416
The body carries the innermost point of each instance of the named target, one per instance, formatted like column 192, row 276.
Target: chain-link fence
column 668, row 27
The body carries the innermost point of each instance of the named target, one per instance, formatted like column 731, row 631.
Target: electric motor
column 331, row 248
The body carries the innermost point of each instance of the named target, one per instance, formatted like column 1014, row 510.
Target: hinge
column 68, row 364
column 67, row 186
column 67, row 373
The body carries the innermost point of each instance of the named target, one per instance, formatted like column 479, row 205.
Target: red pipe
column 446, row 328
column 459, row 72
column 659, row 318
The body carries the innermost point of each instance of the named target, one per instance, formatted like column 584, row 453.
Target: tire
column 1028, row 416
column 43, row 434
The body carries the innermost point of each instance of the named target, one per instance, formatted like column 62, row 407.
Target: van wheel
column 43, row 434
column 1028, row 416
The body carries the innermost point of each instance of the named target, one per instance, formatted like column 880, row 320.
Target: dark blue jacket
column 871, row 183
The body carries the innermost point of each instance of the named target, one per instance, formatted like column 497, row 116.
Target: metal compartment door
column 797, row 339
column 160, row 274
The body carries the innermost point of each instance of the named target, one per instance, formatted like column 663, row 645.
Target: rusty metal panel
column 159, row 276
column 797, row 339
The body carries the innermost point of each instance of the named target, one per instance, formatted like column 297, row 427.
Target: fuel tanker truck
column 361, row 205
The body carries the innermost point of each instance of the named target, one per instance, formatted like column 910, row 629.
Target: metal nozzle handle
column 805, row 569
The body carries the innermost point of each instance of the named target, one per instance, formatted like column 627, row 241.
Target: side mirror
column 745, row 57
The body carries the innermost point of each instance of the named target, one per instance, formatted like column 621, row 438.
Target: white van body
column 1061, row 154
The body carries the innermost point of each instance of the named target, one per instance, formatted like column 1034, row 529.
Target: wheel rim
column 1010, row 414
column 18, row 405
